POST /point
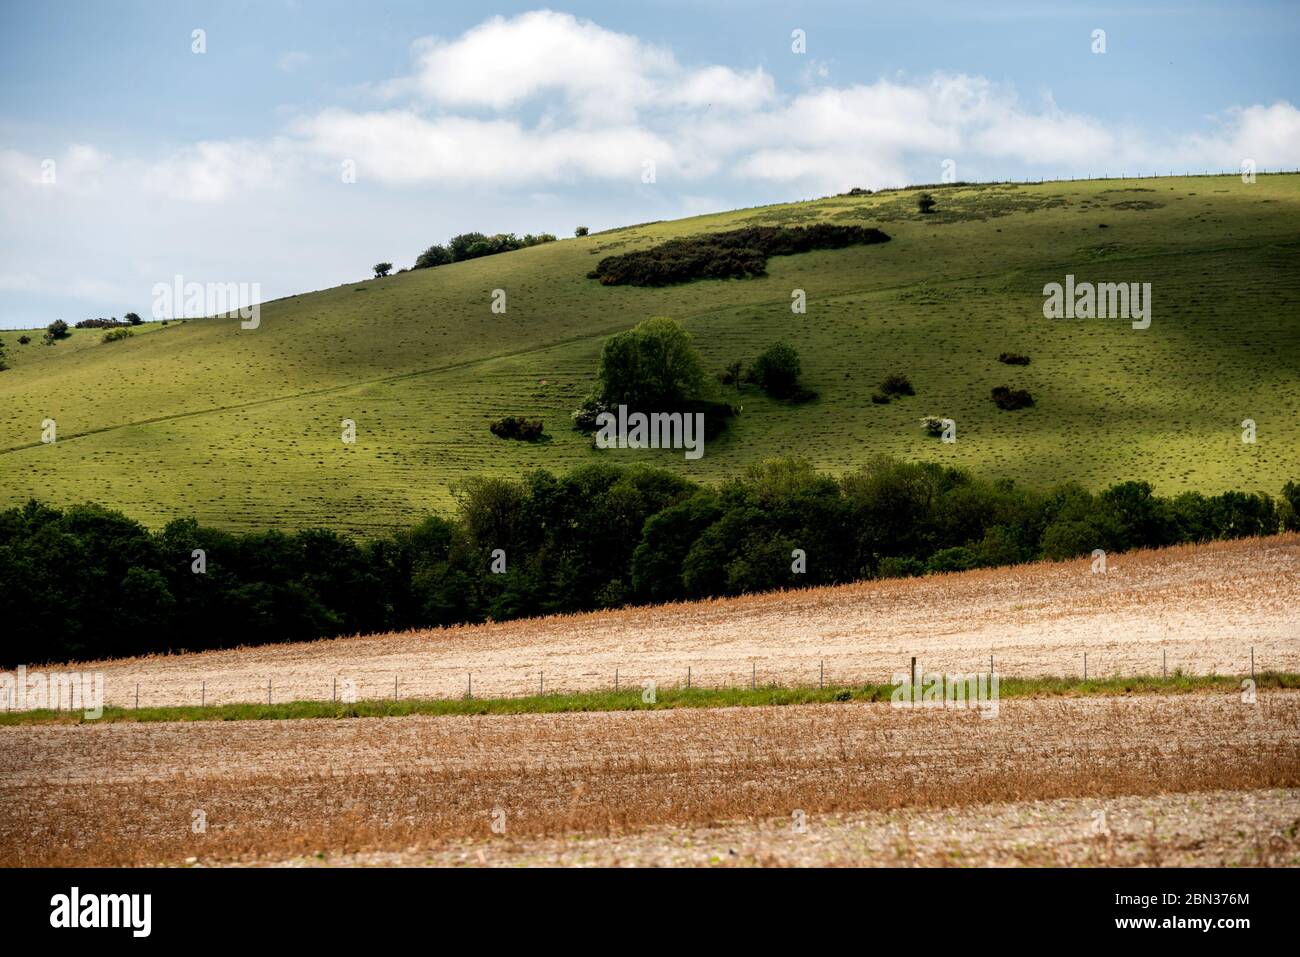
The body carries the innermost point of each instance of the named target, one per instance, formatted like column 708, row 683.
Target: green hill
column 242, row 427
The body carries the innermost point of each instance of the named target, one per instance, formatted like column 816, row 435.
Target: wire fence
column 281, row 686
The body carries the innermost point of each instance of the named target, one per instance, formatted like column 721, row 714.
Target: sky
column 292, row 144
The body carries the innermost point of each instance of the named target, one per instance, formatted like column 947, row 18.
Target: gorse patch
column 736, row 254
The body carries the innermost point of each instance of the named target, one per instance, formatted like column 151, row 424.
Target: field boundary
column 639, row 699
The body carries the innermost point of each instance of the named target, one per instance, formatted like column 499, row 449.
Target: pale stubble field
column 1199, row 608
column 1207, row 778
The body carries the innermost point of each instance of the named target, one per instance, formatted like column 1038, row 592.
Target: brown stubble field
column 271, row 791
column 1203, row 606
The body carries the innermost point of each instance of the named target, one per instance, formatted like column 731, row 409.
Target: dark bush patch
column 731, row 375
column 23, row 340
column 879, row 398
column 1013, row 359
column 113, row 335
column 517, row 427
column 1010, row 399
column 56, row 330
column 897, row 384
column 736, row 254
column 776, row 371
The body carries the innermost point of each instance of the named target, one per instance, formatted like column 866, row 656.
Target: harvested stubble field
column 1203, row 606
column 1213, row 829
column 128, row 793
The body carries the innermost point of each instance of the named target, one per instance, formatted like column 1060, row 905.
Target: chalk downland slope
column 241, row 428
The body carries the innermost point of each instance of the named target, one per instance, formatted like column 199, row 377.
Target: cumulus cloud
column 487, row 129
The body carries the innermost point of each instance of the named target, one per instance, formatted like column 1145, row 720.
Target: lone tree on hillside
column 776, row 371
column 382, row 269
column 581, row 231
column 133, row 318
column 652, row 367
column 925, row 203
column 56, row 330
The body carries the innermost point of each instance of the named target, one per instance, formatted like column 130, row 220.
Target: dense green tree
column 652, row 367
column 776, row 371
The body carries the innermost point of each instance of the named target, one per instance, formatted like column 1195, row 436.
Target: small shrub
column 901, row 567
column 1011, row 399
column 113, row 335
column 581, row 231
column 731, row 374
column 584, row 416
column 958, row 559
column 382, row 269
column 925, row 203
column 56, row 330
column 776, row 371
column 933, row 424
column 897, row 384
column 1013, row 359
column 517, row 427
column 879, row 398
column 24, row 339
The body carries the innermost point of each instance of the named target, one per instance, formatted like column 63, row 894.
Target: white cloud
column 400, row 147
column 523, row 120
column 292, row 60
column 210, row 171
column 1269, row 135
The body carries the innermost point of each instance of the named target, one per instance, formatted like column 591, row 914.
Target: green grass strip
column 1009, row 687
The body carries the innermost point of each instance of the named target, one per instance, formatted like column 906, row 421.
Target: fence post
column 821, row 676
column 203, row 695
column 913, row 684
column 1252, row 662
column 334, row 692
column 394, row 687
column 688, row 677
column 541, row 682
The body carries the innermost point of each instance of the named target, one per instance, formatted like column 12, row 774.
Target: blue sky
column 227, row 165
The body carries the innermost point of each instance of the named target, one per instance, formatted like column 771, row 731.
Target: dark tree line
column 88, row 582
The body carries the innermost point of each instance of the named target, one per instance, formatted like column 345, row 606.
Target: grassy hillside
column 242, row 428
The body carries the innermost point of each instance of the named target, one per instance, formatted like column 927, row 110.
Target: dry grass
column 1211, row 829
column 126, row 793
column 1204, row 605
